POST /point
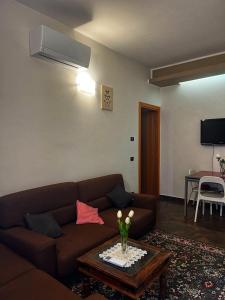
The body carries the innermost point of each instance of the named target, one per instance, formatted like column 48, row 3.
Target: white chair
column 209, row 196
column 194, row 192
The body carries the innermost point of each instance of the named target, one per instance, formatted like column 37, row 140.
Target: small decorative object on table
column 222, row 164
column 114, row 255
column 124, row 227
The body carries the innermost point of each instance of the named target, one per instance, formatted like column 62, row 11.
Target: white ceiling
column 154, row 32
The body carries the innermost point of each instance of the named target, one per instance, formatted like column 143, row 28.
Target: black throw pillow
column 119, row 197
column 43, row 223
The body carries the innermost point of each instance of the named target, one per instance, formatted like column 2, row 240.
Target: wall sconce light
column 85, row 83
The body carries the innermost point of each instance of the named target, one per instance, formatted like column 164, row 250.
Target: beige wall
column 183, row 107
column 49, row 132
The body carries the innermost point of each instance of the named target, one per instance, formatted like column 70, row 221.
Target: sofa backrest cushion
column 66, row 214
column 93, row 191
column 101, row 203
column 13, row 207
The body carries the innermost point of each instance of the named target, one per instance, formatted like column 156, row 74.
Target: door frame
column 156, row 109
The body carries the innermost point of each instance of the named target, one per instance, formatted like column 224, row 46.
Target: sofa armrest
column 37, row 248
column 145, row 201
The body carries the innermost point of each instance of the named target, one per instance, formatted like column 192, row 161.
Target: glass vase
column 124, row 243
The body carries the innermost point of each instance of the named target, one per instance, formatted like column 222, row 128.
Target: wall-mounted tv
column 213, row 132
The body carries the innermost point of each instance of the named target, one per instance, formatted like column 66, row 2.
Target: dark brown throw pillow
column 43, row 223
column 119, row 197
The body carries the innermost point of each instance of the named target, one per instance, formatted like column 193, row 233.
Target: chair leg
column 196, row 211
column 221, row 210
column 210, row 209
column 203, row 208
column 195, row 198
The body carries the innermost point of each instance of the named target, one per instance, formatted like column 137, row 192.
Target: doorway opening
column 149, row 148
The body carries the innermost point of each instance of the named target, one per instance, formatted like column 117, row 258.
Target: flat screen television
column 213, row 132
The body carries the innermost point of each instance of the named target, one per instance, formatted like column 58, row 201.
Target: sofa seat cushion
column 77, row 240
column 36, row 285
column 142, row 221
column 11, row 265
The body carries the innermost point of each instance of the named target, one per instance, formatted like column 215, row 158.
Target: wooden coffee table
column 132, row 281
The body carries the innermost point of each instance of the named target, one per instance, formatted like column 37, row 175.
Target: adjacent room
column 112, row 146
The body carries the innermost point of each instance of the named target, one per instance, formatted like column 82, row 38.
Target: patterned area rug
column 196, row 271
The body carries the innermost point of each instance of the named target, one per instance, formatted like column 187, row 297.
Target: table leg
column 162, row 286
column 185, row 197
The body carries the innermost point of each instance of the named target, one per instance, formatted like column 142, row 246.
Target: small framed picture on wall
column 106, row 97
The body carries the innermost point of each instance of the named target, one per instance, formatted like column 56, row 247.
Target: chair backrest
column 211, row 179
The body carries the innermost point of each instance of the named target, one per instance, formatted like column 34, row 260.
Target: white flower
column 119, row 214
column 218, row 156
column 127, row 220
column 131, row 213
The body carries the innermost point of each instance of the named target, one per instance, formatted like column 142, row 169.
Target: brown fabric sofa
column 20, row 280
column 58, row 256
column 93, row 192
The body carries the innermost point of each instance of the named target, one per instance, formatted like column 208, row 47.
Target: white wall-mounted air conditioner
column 48, row 43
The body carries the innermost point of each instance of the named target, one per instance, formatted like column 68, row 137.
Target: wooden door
column 149, row 148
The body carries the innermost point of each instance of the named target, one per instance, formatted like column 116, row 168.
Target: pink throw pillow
column 87, row 214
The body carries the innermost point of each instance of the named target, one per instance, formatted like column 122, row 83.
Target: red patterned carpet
column 196, row 271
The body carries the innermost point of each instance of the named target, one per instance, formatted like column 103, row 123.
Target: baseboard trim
column 171, row 198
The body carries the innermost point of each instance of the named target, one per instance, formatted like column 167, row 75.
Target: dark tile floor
column 209, row 229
